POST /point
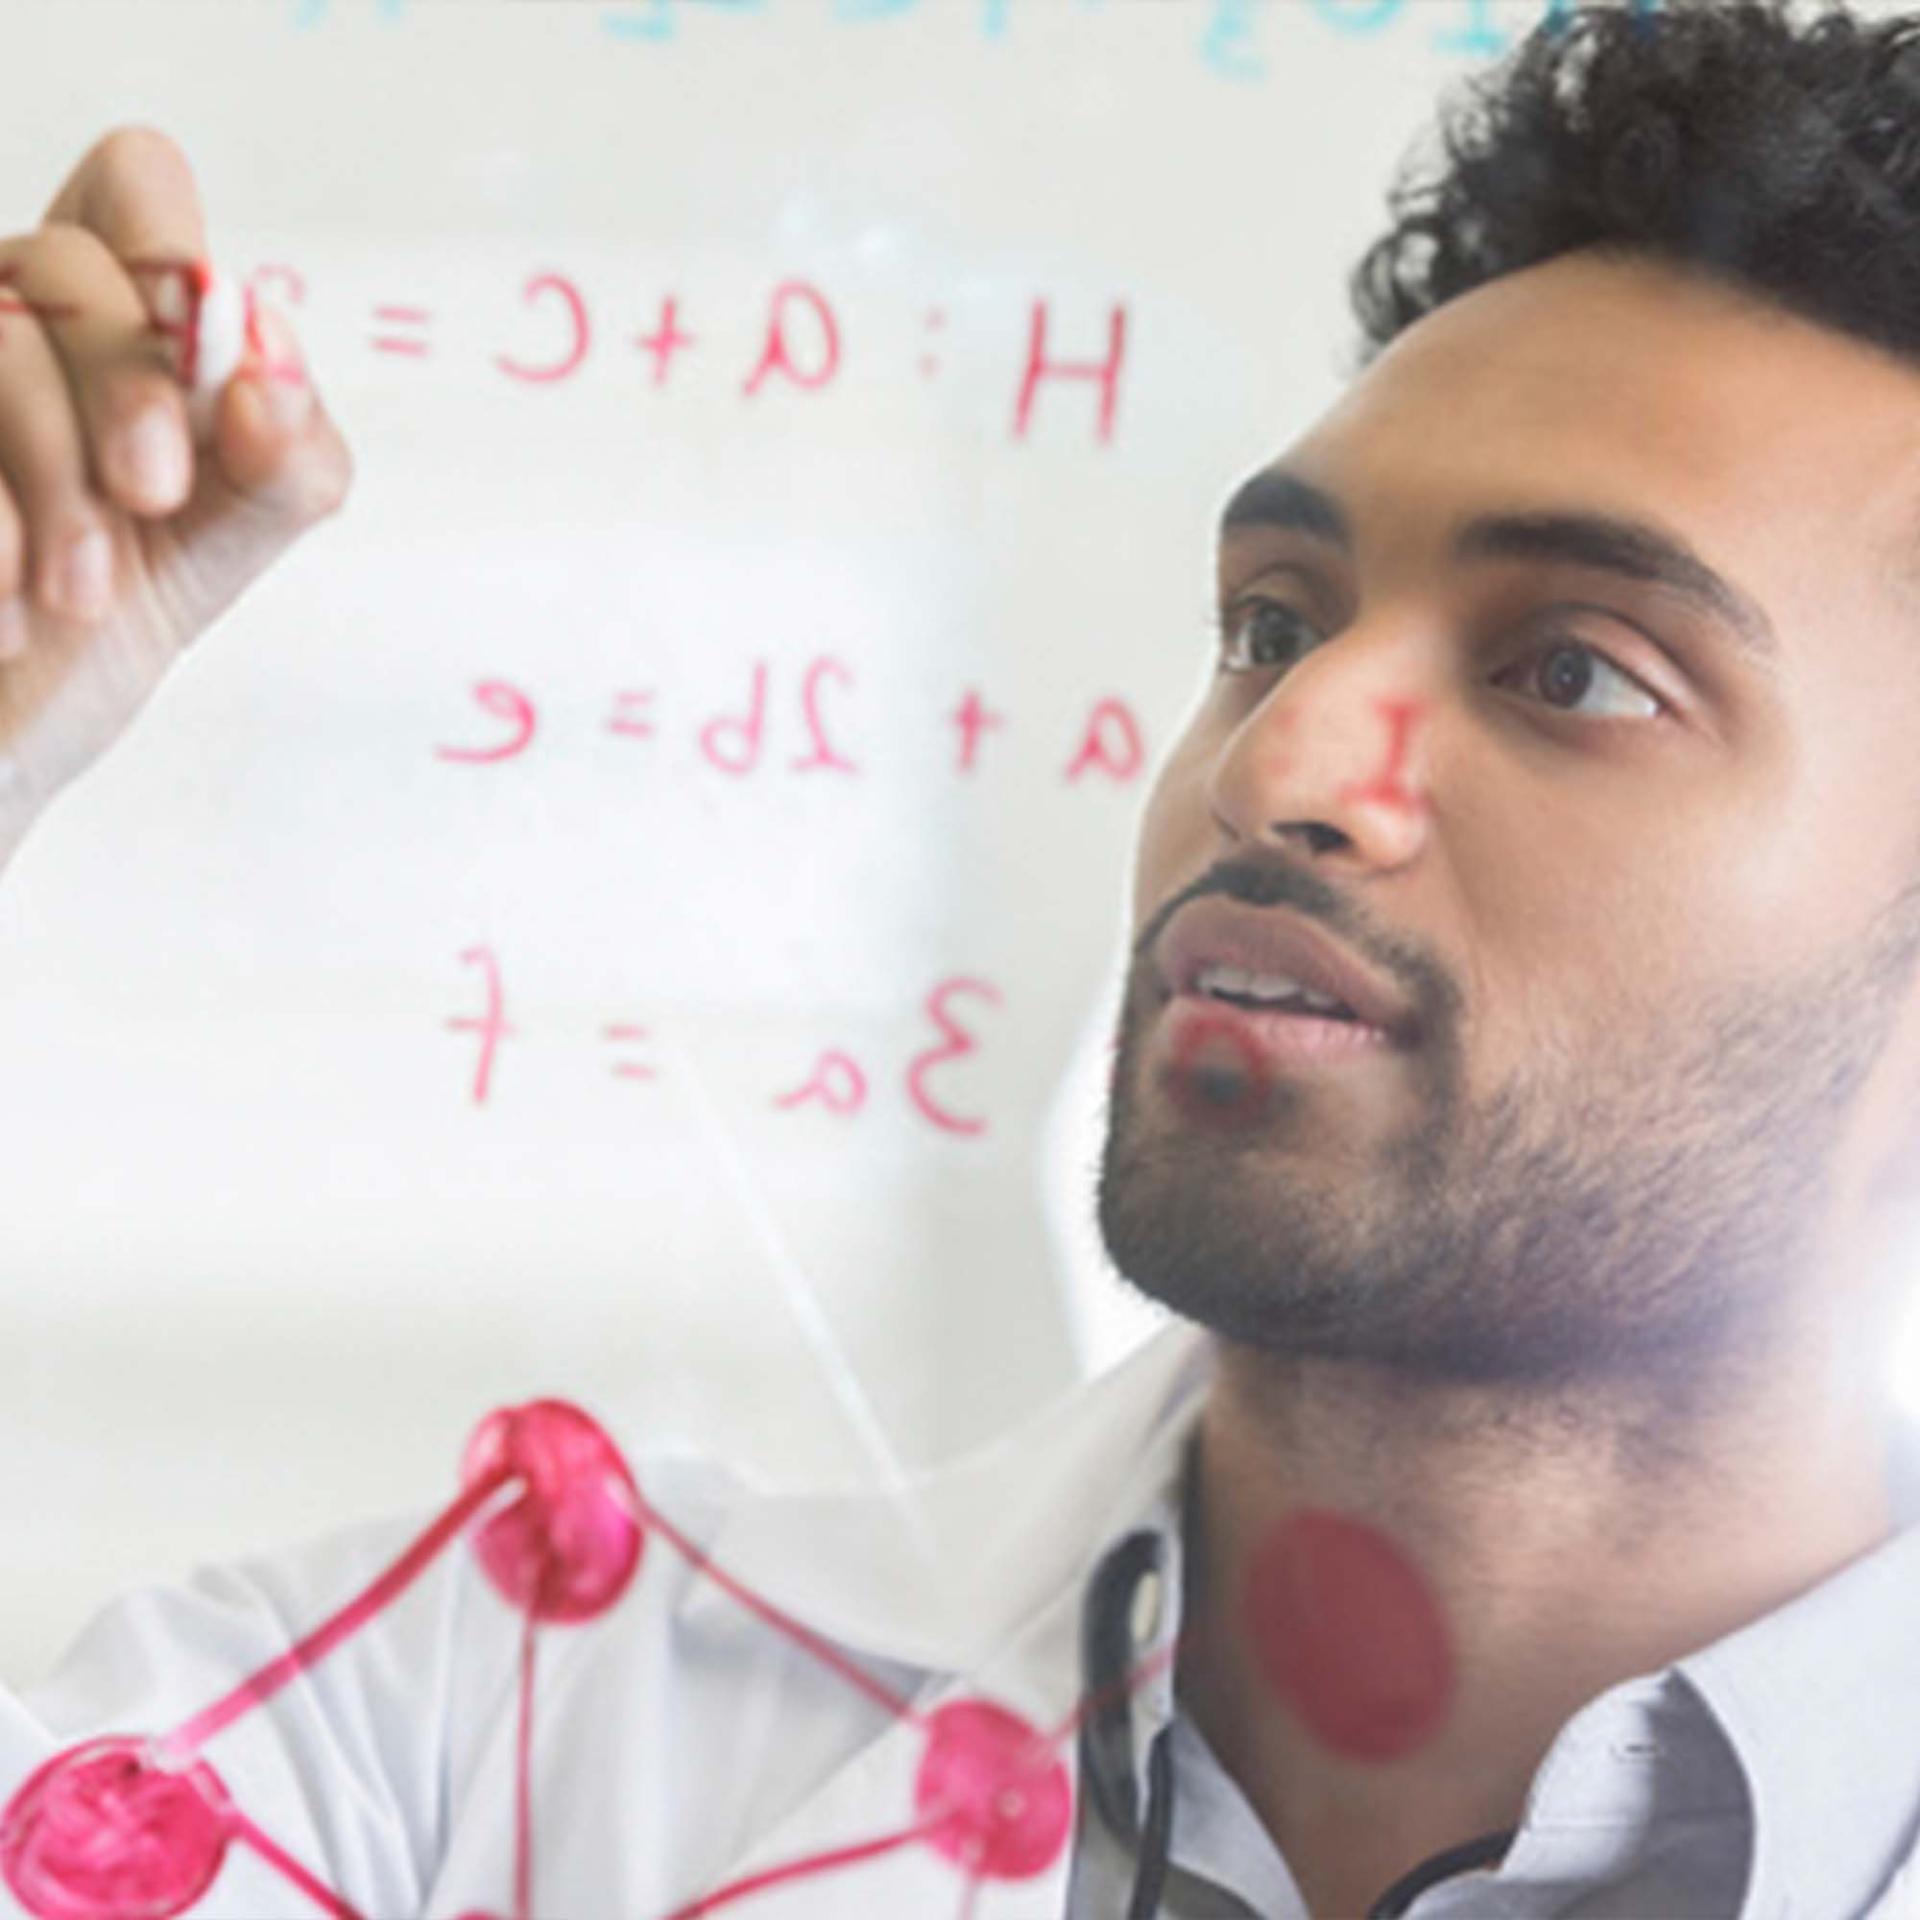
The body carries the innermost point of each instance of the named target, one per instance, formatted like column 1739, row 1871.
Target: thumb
column 276, row 465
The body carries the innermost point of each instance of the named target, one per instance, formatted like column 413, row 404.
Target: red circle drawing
column 997, row 1789
column 1217, row 1074
column 103, row 1833
column 566, row 1549
column 1344, row 1628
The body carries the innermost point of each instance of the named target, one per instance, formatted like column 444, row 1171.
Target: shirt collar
column 1820, row 1701
column 1801, row 1722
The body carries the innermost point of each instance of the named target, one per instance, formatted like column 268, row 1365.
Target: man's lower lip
column 1199, row 1027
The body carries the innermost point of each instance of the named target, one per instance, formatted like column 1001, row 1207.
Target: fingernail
column 156, row 457
column 86, row 575
column 13, row 628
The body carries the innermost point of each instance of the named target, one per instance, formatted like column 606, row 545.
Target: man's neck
column 1553, row 1554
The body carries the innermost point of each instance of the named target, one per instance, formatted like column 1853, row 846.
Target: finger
column 118, row 371
column 44, row 462
column 135, row 189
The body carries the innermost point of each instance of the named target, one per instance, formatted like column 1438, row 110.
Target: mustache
column 1257, row 879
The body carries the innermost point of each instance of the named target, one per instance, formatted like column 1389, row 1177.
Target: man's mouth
column 1272, row 963
column 1267, row 993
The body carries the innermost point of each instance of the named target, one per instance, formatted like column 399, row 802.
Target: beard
column 1645, row 1213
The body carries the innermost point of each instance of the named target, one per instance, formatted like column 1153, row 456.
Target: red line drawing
column 129, row 1824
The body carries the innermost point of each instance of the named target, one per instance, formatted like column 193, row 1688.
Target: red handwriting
column 956, row 1043
column 407, row 343
column 665, row 340
column 512, row 706
column 1105, row 374
column 491, row 1025
column 1110, row 742
column 973, row 718
column 578, row 331
column 716, row 735
column 836, row 1083
column 803, row 346
column 628, row 1069
column 821, row 757
column 777, row 356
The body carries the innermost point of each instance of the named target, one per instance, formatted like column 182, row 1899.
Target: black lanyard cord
column 1156, row 1831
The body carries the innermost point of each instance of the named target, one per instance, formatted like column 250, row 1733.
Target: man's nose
column 1334, row 759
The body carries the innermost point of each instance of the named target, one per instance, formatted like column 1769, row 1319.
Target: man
column 1518, row 1076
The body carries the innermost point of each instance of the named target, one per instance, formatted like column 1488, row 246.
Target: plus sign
column 665, row 341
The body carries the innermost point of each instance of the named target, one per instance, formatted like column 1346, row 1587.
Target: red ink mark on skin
column 569, row 362
column 956, row 1044
column 823, row 757
column 629, row 1069
column 973, row 717
column 998, row 1796
column 102, row 1832
column 491, row 1026
column 1217, row 1075
column 775, row 356
column 507, row 703
column 836, row 1082
column 1105, row 373
column 630, row 723
column 665, row 340
column 748, row 732
column 1385, row 786
column 402, row 343
column 567, row 1547
column 1346, row 1631
column 1122, row 761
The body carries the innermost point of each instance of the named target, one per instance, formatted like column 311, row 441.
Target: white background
column 265, row 1260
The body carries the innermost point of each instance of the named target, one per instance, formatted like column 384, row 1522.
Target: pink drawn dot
column 1344, row 1628
column 1217, row 1076
column 102, row 1833
column 566, row 1549
column 998, row 1790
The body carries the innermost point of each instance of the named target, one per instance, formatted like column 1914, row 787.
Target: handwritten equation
column 1110, row 743
column 1233, row 39
column 803, row 343
column 836, row 1082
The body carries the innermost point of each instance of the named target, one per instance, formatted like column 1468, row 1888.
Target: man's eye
column 1260, row 633
column 1567, row 670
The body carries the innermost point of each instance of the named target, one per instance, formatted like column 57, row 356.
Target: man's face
column 1622, row 821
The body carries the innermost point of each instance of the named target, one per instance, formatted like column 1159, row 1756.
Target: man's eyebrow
column 1610, row 543
column 1633, row 548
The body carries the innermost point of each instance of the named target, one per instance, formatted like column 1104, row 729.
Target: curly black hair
column 1741, row 138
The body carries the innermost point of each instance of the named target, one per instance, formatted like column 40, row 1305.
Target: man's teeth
column 1274, row 987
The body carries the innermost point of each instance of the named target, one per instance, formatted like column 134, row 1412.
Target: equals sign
column 405, row 317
